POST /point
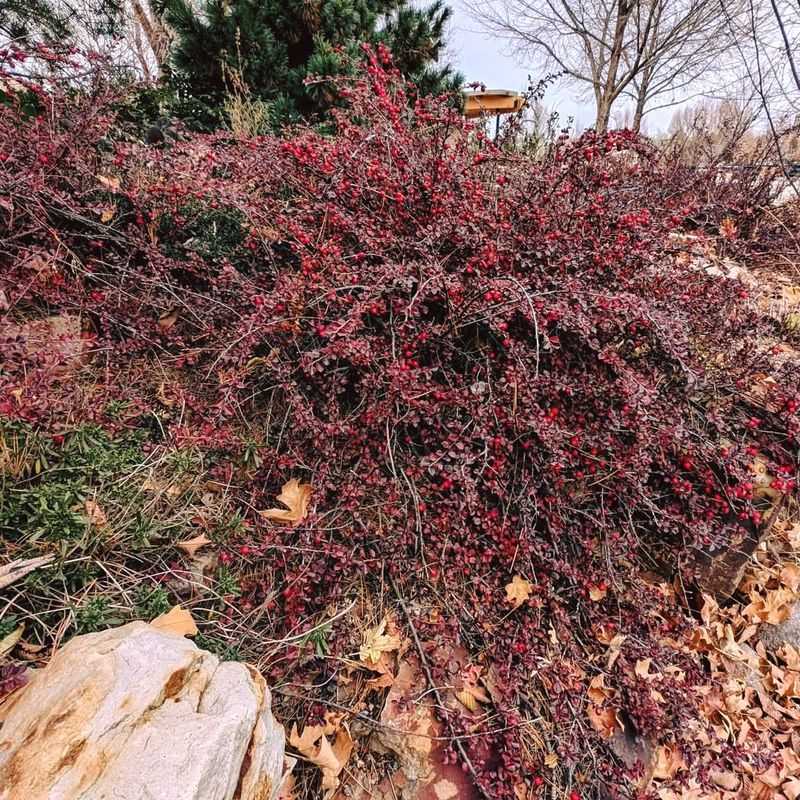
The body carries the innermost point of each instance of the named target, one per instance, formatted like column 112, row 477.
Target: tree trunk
column 603, row 115
column 639, row 112
column 156, row 34
column 608, row 92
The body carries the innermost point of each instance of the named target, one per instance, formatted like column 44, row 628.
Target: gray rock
column 787, row 632
column 135, row 713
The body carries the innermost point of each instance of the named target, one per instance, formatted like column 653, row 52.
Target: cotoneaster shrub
column 485, row 366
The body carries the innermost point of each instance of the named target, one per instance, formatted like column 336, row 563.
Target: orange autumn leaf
column 167, row 320
column 177, row 620
column 518, row 591
column 296, row 497
column 603, row 720
column 666, row 762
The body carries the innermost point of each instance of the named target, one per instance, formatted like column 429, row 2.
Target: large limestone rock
column 135, row 713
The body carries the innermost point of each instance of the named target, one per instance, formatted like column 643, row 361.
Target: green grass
column 111, row 510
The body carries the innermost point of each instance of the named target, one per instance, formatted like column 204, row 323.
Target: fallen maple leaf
column 177, row 620
column 191, row 546
column 295, row 496
column 376, row 643
column 518, row 591
column 315, row 747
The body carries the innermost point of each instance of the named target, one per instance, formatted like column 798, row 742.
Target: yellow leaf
column 95, row 513
column 295, row 496
column 597, row 593
column 177, row 620
column 9, row 641
column 467, row 699
column 551, row 761
column 191, row 546
column 376, row 643
column 108, row 214
column 518, row 591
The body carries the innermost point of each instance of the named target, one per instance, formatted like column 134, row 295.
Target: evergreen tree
column 22, row 19
column 58, row 21
column 270, row 47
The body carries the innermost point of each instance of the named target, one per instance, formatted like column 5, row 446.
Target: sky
column 487, row 59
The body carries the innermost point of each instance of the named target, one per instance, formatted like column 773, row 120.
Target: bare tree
column 653, row 52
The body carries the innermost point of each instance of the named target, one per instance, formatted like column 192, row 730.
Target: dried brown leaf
column 191, row 546
column 9, row 641
column 296, row 497
column 603, row 720
column 518, row 591
column 110, row 182
column 177, row 620
column 597, row 593
column 667, row 761
column 445, row 790
column 168, row 320
column 376, row 642
column 95, row 513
